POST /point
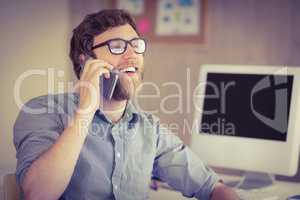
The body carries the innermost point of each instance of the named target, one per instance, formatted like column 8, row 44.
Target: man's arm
column 222, row 192
column 49, row 175
column 183, row 170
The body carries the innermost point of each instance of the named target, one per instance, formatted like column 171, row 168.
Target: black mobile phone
column 107, row 85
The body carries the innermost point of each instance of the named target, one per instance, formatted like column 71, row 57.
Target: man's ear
column 82, row 58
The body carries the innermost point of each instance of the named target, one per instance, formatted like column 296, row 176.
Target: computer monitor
column 247, row 117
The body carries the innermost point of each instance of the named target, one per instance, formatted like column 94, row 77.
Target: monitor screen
column 247, row 105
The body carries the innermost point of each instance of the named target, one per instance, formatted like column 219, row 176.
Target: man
column 89, row 147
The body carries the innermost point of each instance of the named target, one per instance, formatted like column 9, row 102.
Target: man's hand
column 89, row 89
column 222, row 192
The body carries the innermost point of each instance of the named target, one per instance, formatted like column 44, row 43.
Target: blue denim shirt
column 116, row 161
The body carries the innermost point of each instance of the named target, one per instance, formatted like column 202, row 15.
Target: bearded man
column 84, row 146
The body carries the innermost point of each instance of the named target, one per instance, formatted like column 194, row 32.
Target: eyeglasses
column 118, row 46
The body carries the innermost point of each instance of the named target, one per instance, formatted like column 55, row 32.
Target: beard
column 126, row 86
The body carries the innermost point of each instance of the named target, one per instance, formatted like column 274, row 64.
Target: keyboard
column 268, row 193
column 278, row 191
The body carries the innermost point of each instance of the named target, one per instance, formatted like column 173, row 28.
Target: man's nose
column 129, row 53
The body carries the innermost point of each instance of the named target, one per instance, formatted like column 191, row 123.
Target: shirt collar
column 131, row 115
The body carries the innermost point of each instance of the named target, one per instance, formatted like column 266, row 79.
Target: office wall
column 34, row 35
column 240, row 32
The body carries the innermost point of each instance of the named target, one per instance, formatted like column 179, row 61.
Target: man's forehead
column 125, row 32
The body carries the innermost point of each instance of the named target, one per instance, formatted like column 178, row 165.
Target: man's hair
column 91, row 26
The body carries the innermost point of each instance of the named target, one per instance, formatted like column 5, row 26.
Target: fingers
column 93, row 63
column 95, row 67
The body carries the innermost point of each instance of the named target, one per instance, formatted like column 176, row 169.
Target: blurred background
column 35, row 35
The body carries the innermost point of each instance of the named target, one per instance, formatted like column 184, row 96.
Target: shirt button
column 116, row 187
column 118, row 155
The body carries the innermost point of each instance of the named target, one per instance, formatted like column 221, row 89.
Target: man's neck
column 113, row 109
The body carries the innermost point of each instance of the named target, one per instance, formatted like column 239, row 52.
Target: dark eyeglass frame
column 125, row 48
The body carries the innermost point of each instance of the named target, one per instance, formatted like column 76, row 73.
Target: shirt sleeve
column 181, row 168
column 36, row 129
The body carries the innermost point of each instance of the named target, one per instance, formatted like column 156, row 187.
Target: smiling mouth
column 129, row 70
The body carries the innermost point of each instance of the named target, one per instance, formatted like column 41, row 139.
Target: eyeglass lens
column 120, row 46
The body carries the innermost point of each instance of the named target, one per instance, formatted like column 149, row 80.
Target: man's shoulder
column 56, row 102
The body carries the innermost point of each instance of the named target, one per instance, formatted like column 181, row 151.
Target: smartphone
column 107, row 85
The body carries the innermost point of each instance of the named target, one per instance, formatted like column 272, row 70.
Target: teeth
column 128, row 69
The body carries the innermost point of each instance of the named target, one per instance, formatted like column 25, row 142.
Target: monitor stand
column 253, row 180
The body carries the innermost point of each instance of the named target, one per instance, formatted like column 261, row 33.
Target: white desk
column 279, row 188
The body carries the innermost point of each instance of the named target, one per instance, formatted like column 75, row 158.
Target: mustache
column 133, row 63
